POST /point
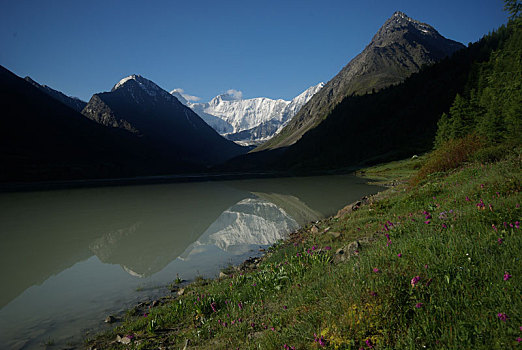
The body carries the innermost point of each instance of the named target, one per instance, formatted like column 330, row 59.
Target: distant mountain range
column 401, row 47
column 141, row 129
column 248, row 121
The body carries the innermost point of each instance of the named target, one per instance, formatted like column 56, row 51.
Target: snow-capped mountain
column 248, row 121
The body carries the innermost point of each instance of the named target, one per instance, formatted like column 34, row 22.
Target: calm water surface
column 72, row 257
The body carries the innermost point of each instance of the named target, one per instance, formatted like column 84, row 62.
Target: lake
column 72, row 257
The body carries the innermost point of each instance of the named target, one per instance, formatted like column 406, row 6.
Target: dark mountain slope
column 393, row 123
column 43, row 139
column 140, row 107
column 74, row 103
column 400, row 47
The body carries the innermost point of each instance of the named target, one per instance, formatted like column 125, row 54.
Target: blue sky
column 266, row 48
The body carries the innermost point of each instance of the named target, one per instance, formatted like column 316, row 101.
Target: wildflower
column 213, row 306
column 254, row 284
column 369, row 343
column 399, row 255
column 419, row 305
column 505, row 224
column 314, row 247
column 519, row 339
column 414, row 281
column 429, row 282
column 444, row 226
column 426, row 266
column 373, row 294
column 467, row 199
column 252, row 325
column 320, row 340
column 517, row 224
column 376, row 270
column 428, row 216
column 427, row 222
column 145, row 314
column 240, row 305
column 500, row 241
column 507, row 276
column 327, row 247
column 490, row 207
column 502, row 316
column 481, row 185
column 285, row 307
column 494, row 227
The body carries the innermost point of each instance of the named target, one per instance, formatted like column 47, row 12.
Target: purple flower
column 426, row 266
column 519, row 339
column 502, row 316
column 444, row 226
column 252, row 325
column 500, row 241
column 373, row 294
column 327, row 247
column 285, row 307
column 507, row 276
column 467, row 199
column 145, row 314
column 369, row 343
column 213, row 306
column 319, row 340
column 240, row 306
column 376, row 270
column 517, row 224
column 419, row 305
column 427, row 222
column 399, row 255
column 414, row 281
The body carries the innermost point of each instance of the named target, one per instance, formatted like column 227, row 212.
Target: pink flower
column 502, row 316
column 419, row 305
column 500, row 241
column 376, row 270
column 327, row 247
column 507, row 276
column 399, row 255
column 414, row 281
column 444, row 226
column 427, row 222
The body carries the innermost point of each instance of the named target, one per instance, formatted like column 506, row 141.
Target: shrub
column 450, row 155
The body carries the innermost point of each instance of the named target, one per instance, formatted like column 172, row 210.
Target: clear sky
column 272, row 48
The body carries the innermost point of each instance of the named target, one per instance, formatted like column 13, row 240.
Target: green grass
column 456, row 250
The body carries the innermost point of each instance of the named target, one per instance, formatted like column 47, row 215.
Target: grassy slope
column 298, row 297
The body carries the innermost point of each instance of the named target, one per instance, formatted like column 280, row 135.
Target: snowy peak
column 247, row 121
column 146, row 85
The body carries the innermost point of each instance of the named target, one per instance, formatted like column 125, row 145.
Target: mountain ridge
column 399, row 48
column 248, row 121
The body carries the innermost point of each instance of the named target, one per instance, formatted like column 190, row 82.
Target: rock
column 181, row 291
column 326, row 230
column 335, row 234
column 314, row 229
column 111, row 319
column 124, row 340
column 222, row 275
column 345, row 253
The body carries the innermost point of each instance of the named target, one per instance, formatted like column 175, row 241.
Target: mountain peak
column 148, row 86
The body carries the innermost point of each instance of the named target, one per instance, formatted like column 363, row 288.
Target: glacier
column 248, row 121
